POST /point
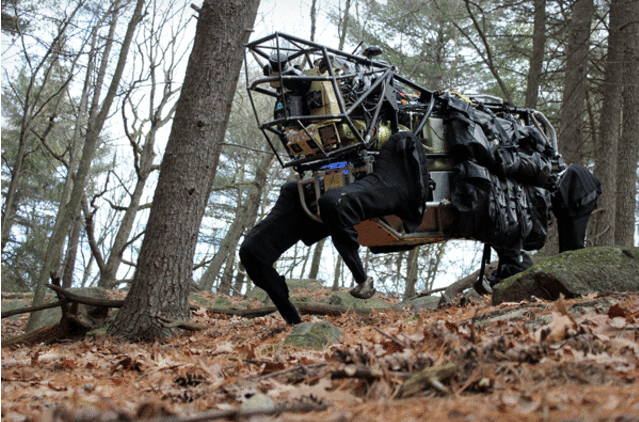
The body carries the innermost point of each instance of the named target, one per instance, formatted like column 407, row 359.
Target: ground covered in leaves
column 570, row 360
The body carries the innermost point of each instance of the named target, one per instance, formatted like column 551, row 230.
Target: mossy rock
column 97, row 332
column 14, row 304
column 421, row 303
column 309, row 335
column 573, row 274
column 294, row 287
column 345, row 299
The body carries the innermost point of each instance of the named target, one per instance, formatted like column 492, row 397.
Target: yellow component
column 384, row 134
column 329, row 98
column 463, row 97
column 347, row 134
column 300, row 143
column 324, row 135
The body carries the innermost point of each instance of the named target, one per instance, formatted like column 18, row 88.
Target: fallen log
column 304, row 308
column 13, row 312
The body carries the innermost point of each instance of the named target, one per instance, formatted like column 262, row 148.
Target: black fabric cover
column 499, row 179
column 539, row 200
column 465, row 136
column 489, row 209
column 578, row 191
column 576, row 199
column 285, row 225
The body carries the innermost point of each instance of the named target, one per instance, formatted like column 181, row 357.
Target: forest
column 132, row 163
column 90, row 92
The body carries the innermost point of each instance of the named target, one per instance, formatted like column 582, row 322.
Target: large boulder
column 294, row 287
column 574, row 273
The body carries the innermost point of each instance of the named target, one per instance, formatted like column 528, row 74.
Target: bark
column 571, row 135
column 317, row 259
column 606, row 157
column 161, row 283
column 72, row 251
column 313, row 19
column 629, row 142
column 537, row 54
column 344, row 25
column 411, row 276
column 338, row 273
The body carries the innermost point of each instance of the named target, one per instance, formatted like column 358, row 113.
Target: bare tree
column 537, row 54
column 158, row 60
column 610, row 126
column 573, row 107
column 38, row 101
column 626, row 207
column 161, row 283
column 99, row 113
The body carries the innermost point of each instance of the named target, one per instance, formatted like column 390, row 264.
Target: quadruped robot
column 492, row 166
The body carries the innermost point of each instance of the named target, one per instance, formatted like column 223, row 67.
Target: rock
column 309, row 335
column 422, row 303
column 574, row 273
column 258, row 403
column 13, row 305
column 294, row 286
column 345, row 299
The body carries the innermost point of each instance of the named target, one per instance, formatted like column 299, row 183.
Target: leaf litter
column 568, row 360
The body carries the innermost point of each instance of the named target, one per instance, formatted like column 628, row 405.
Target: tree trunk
column 226, row 281
column 161, row 283
column 160, row 74
column 610, row 121
column 537, row 54
column 317, row 259
column 109, row 270
column 239, row 279
column 338, row 273
column 72, row 251
column 629, row 142
column 411, row 275
column 343, row 28
column 573, row 108
column 313, row 19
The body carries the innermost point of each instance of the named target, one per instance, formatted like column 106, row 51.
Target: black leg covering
column 284, row 226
